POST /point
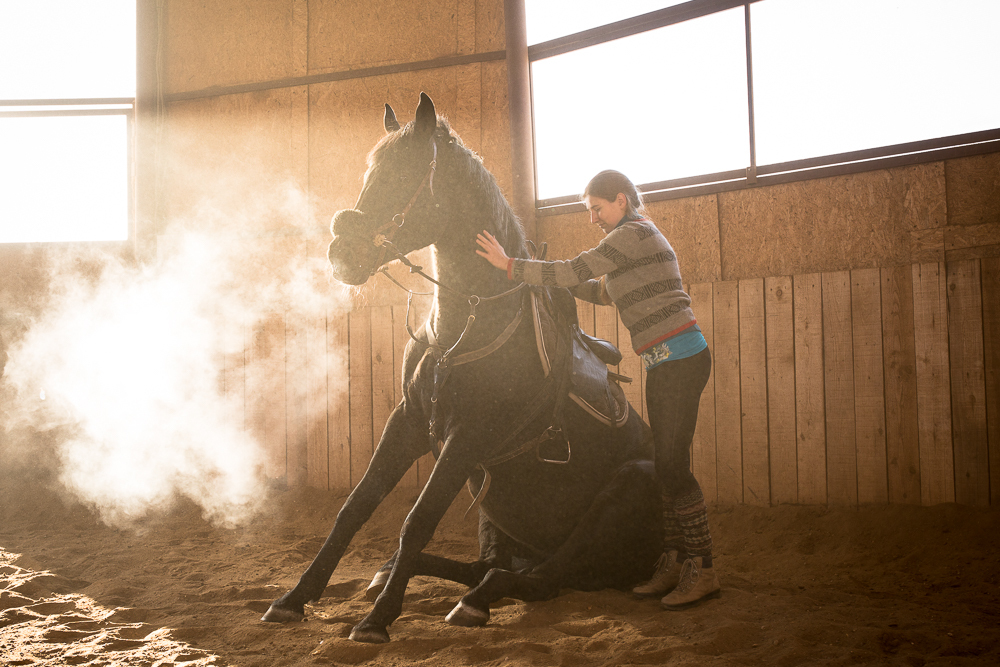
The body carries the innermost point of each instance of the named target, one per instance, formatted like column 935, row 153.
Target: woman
column 638, row 272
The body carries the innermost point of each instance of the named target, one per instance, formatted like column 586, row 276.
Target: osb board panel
column 230, row 42
column 691, row 226
column 972, row 236
column 24, row 282
column 568, row 235
column 973, row 189
column 833, row 224
column 352, row 34
column 490, row 27
column 496, row 125
column 241, row 155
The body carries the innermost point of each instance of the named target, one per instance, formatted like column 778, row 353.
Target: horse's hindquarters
column 539, row 503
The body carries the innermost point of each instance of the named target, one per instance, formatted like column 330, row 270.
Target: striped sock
column 692, row 515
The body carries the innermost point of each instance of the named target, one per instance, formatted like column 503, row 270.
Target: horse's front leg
column 450, row 472
column 399, row 447
column 495, row 551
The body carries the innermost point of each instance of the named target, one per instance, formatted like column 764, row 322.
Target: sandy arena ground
column 801, row 586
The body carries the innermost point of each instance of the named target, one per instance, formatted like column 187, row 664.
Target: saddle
column 591, row 385
column 588, row 383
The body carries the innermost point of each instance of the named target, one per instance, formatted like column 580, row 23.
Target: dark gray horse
column 570, row 502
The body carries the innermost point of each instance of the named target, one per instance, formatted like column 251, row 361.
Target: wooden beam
column 838, row 378
column 779, row 330
column 753, row 393
column 990, row 268
column 900, row 381
column 338, row 399
column 869, row 386
column 930, row 333
column 968, row 383
column 810, row 413
column 729, row 436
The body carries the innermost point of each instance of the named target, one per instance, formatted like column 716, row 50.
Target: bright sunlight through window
column 833, row 77
column 64, row 169
column 662, row 104
column 828, row 77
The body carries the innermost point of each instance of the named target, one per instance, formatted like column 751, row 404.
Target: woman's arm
column 593, row 291
column 587, row 265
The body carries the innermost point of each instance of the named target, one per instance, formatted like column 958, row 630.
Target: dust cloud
column 118, row 385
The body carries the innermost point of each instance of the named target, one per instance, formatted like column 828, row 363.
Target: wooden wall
column 836, row 380
column 871, row 386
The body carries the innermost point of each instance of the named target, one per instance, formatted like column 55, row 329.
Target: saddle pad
column 590, row 386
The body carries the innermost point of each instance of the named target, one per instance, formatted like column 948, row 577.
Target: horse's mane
column 507, row 227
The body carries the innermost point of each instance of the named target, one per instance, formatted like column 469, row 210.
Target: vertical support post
column 752, row 169
column 519, row 108
column 147, row 119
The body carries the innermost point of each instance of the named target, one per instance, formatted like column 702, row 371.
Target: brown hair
column 609, row 183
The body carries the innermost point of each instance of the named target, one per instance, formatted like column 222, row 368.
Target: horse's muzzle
column 352, row 255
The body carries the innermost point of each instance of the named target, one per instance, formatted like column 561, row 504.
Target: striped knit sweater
column 642, row 277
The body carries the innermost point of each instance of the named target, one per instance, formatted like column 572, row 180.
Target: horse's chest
column 474, row 393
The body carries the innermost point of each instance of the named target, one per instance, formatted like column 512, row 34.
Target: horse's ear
column 426, row 119
column 391, row 124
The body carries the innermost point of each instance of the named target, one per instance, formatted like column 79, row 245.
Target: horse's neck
column 471, row 276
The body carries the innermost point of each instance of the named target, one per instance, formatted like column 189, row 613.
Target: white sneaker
column 665, row 578
column 696, row 584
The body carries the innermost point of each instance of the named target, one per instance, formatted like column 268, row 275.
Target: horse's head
column 398, row 202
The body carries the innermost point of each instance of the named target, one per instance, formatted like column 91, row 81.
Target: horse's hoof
column 276, row 614
column 467, row 616
column 378, row 583
column 369, row 635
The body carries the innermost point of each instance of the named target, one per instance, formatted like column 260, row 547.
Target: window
column 67, row 94
column 837, row 77
column 726, row 93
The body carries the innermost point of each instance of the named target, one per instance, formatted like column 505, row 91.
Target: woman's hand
column 492, row 250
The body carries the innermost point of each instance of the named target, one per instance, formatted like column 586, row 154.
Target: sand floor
column 801, row 586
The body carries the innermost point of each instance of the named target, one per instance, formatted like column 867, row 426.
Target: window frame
column 754, row 175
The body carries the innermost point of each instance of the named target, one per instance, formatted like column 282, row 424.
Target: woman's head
column 611, row 196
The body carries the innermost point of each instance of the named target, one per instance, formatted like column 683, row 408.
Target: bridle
column 383, row 239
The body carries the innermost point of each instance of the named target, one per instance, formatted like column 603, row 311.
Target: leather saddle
column 591, row 385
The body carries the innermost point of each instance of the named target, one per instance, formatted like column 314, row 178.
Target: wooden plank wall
column 872, row 386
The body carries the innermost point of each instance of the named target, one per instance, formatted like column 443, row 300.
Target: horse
column 564, row 500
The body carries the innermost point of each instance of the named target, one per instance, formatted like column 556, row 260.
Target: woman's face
column 606, row 214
